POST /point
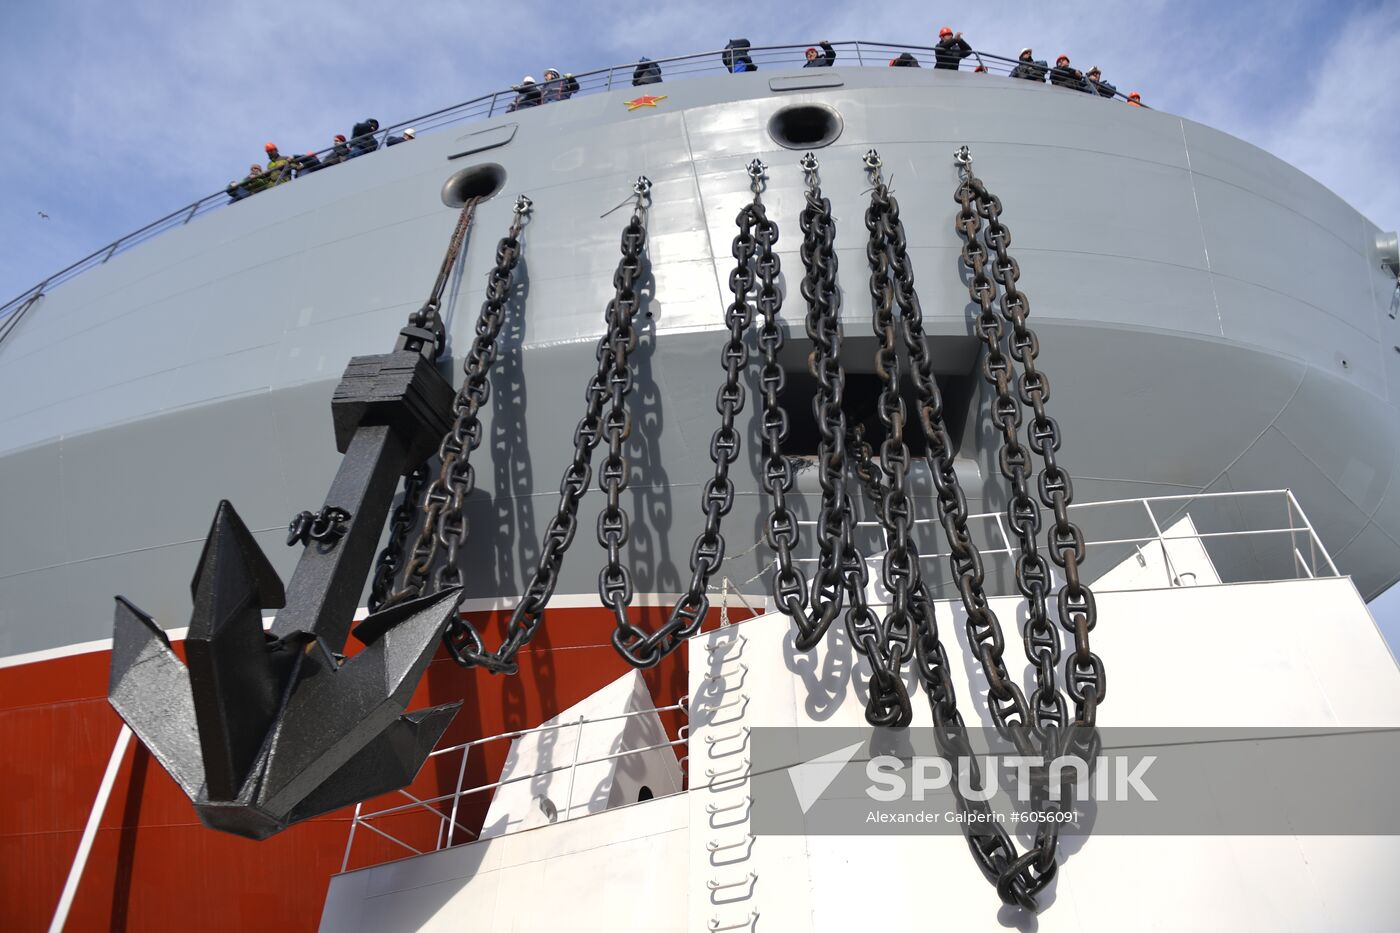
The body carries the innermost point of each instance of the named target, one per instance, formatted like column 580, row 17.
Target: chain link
column 444, row 526
column 1041, row 638
column 841, row 574
column 615, row 580
column 386, row 568
column 462, row 639
column 1084, row 671
column 754, row 260
column 900, row 569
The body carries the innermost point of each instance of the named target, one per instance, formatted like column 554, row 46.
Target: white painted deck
column 1306, row 649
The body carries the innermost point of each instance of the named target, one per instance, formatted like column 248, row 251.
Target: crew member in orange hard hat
column 951, row 49
column 1062, row 75
column 1135, row 99
column 279, row 167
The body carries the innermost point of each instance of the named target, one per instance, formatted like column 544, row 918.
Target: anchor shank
column 390, row 413
column 326, row 585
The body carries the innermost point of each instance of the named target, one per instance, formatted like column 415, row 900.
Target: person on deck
column 646, row 72
column 951, row 49
column 254, row 182
column 362, row 139
column 822, row 59
column 1030, row 69
column 1135, row 100
column 306, row 164
column 279, row 167
column 408, row 134
column 1062, row 75
column 339, row 151
column 557, row 86
column 904, row 60
column 527, row 94
column 736, row 56
column 1097, row 84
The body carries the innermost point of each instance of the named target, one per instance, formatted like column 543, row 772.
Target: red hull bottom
column 154, row 867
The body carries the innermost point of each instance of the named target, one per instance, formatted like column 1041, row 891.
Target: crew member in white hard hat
column 1029, row 68
column 527, row 94
column 1097, row 84
column 395, row 140
column 558, row 86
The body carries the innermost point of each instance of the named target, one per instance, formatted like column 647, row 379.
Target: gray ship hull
column 1211, row 318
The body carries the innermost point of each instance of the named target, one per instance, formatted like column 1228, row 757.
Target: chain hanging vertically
column 753, row 258
column 841, row 573
column 1084, row 672
column 1018, row 879
column 444, row 526
column 405, row 516
column 423, row 325
column 892, row 645
column 615, row 580
column 463, row 641
column 426, row 323
column 1041, row 639
column 790, row 591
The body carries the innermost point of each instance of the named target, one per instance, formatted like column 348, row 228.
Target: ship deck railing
column 850, row 53
column 446, row 808
column 1278, row 540
column 1253, row 536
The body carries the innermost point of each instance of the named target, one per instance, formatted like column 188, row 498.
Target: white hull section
column 1300, row 653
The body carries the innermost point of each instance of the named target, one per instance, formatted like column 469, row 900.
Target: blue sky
column 118, row 111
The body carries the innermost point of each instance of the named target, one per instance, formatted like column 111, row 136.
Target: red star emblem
column 646, row 100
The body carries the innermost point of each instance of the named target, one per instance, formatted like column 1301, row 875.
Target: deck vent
column 1388, row 247
column 478, row 181
column 805, row 126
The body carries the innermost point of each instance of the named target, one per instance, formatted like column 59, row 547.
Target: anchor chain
column 990, row 844
column 444, row 526
column 1041, row 638
column 405, row 516
column 426, row 323
column 820, row 292
column 754, row 259
column 781, row 533
column 890, row 647
column 841, row 571
column 423, row 325
column 1084, row 671
column 1018, row 878
column 1047, row 715
column 615, row 580
column 463, row 641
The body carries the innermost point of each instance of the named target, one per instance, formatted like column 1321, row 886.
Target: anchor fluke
column 237, row 681
column 391, row 760
column 262, row 732
column 337, row 711
column 150, row 689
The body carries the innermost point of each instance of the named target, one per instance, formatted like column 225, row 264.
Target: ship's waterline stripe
column 484, row 604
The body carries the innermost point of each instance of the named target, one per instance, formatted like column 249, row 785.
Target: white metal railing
column 856, row 53
column 446, row 807
column 1316, row 562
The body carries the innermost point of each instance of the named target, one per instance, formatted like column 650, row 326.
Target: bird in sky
column 43, row 216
